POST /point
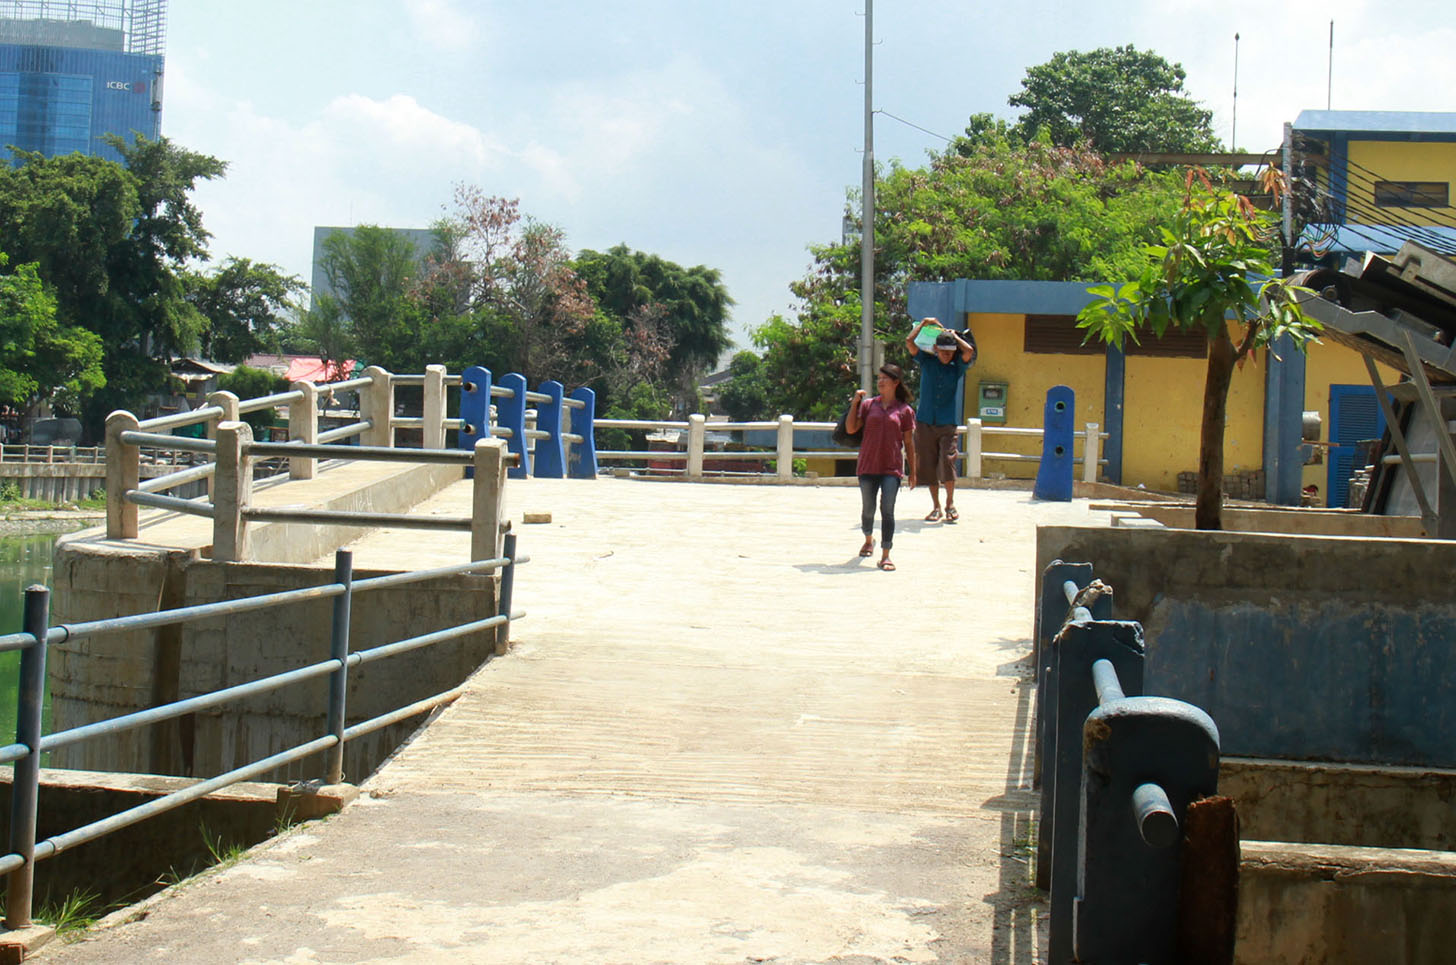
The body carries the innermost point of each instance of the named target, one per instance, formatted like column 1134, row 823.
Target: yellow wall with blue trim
column 1328, row 363
column 1000, row 344
column 1398, row 161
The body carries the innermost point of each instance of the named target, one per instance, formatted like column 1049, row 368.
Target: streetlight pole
column 867, row 218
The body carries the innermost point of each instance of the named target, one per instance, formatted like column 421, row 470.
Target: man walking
column 936, row 418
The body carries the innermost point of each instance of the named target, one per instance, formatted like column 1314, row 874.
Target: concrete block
column 18, row 944
column 305, row 801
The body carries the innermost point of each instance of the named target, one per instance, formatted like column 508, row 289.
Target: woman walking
column 889, row 423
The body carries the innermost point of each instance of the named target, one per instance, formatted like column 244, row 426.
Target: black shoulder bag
column 841, row 434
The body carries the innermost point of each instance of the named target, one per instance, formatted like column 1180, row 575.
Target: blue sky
column 715, row 134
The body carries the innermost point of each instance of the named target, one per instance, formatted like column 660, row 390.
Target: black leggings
column 888, row 487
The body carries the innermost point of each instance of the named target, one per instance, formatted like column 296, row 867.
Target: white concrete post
column 786, row 447
column 123, row 472
column 303, row 427
column 434, row 409
column 697, row 434
column 234, row 492
column 228, row 403
column 1091, row 452
column 376, row 406
column 973, row 448
column 488, row 499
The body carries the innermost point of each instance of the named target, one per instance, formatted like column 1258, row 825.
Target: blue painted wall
column 58, row 100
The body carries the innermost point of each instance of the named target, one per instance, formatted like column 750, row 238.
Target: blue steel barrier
column 1119, row 771
column 30, row 743
column 549, row 454
column 542, row 451
column 583, row 405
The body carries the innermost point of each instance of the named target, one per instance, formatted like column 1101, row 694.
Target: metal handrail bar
column 359, row 657
column 158, row 483
column 572, row 438
column 182, row 418
column 55, row 844
column 177, row 708
column 147, row 621
column 343, row 432
column 269, row 401
column 404, row 713
column 1104, row 679
column 453, row 423
column 1394, row 458
column 668, row 454
column 175, row 504
column 453, row 379
column 537, row 396
column 503, row 432
column 347, row 517
column 408, row 379
column 460, row 457
column 134, row 438
column 500, row 392
column 745, row 426
column 573, row 403
column 346, row 385
column 419, row 576
column 537, row 434
column 354, row 414
column 408, row 422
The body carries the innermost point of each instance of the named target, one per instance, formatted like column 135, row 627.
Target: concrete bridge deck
column 720, row 736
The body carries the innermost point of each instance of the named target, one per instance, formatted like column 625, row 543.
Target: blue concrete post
column 1054, row 472
column 550, row 453
column 474, row 411
column 583, row 423
column 1128, row 890
column 1076, row 648
column 511, row 414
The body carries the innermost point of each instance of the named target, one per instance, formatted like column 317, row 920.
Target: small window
column 1412, row 194
column 1059, row 335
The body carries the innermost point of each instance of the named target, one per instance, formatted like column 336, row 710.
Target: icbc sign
column 140, row 87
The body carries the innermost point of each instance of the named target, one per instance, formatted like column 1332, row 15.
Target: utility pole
column 867, row 218
column 1234, row 133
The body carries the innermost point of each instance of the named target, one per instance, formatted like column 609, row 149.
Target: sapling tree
column 1213, row 274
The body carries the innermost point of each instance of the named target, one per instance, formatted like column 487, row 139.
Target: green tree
column 370, row 272
column 1114, row 99
column 113, row 241
column 688, row 307
column 1212, row 273
column 990, row 206
column 745, row 396
column 41, row 359
column 247, row 305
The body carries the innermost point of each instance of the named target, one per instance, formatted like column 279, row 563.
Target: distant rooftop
column 1378, row 122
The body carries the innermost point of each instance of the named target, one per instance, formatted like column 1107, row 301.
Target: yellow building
column 1148, row 399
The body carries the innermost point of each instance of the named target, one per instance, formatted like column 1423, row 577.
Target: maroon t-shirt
column 884, row 436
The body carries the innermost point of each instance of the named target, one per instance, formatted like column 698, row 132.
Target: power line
column 914, row 125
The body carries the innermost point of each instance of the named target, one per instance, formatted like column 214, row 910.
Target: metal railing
column 694, row 453
column 1119, row 772
column 30, row 742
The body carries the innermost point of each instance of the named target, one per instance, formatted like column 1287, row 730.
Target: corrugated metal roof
column 1378, row 122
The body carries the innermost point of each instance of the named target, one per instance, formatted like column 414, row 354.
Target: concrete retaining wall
column 1305, row 648
column 1315, row 904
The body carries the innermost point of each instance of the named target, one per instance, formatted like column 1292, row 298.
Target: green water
column 24, row 560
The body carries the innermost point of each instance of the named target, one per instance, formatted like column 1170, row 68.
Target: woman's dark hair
column 893, row 371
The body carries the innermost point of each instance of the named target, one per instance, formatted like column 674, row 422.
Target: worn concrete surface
column 720, row 736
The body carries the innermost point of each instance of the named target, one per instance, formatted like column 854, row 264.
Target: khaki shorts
column 935, row 453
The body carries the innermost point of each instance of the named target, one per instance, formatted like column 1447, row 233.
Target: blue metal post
column 1076, row 649
column 25, row 786
column 583, row 423
column 1054, row 472
column 511, row 414
column 1147, row 759
column 1115, row 394
column 339, row 650
column 474, row 410
column 1050, row 616
column 550, row 453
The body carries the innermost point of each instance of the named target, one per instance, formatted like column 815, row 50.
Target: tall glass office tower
column 72, row 71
